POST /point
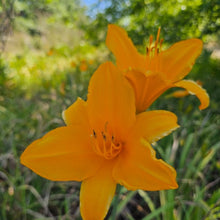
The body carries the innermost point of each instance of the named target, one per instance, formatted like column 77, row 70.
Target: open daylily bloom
column 104, row 143
column 152, row 74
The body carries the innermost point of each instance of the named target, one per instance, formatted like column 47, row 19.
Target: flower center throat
column 105, row 144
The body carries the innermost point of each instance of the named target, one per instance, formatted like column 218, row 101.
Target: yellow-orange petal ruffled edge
column 195, row 89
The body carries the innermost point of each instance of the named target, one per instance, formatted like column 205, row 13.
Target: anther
column 103, row 135
column 147, row 50
column 161, row 41
column 94, row 134
column 117, row 144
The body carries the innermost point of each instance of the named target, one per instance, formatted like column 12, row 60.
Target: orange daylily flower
column 152, row 74
column 83, row 66
column 50, row 52
column 104, row 143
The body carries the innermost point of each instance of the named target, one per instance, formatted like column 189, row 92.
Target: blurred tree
column 179, row 19
column 28, row 12
column 6, row 19
column 70, row 12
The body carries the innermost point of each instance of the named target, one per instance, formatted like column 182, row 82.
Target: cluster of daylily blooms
column 107, row 138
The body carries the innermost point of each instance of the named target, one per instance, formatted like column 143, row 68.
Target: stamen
column 105, row 144
column 97, row 149
column 157, row 40
column 152, row 58
column 147, row 50
column 152, row 48
column 161, row 41
column 106, row 124
column 158, row 34
column 104, row 136
column 151, row 40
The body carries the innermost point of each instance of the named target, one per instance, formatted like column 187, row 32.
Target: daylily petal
column 147, row 87
column 153, row 125
column 77, row 114
column 62, row 154
column 111, row 102
column 138, row 168
column 178, row 60
column 97, row 193
column 122, row 47
column 195, row 89
column 179, row 94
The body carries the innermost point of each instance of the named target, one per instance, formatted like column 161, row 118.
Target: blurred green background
column 50, row 49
